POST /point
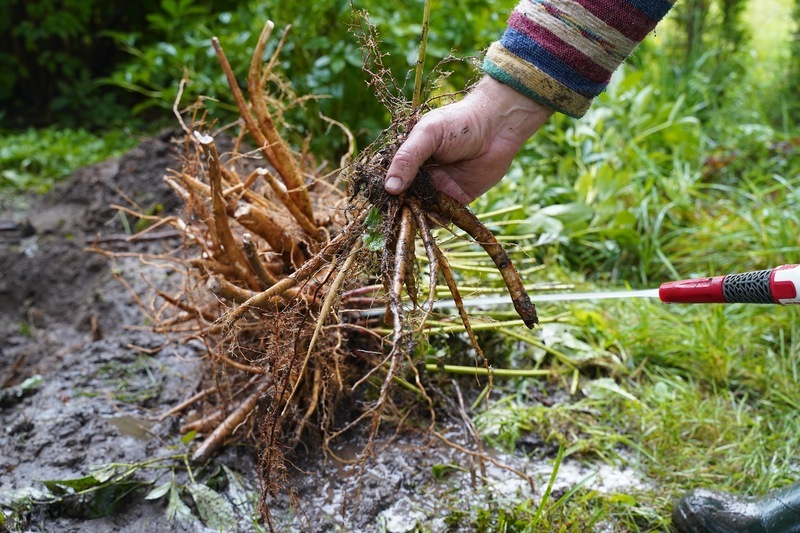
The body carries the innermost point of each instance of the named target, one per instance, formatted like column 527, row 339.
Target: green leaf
column 215, row 511
column 440, row 470
column 538, row 222
column 107, row 499
column 104, row 473
column 240, row 496
column 603, row 388
column 78, row 484
column 375, row 241
column 176, row 509
column 573, row 215
column 373, row 219
column 32, row 383
column 189, row 437
column 159, row 491
column 623, row 499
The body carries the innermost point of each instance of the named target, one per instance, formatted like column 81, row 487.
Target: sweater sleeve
column 562, row 53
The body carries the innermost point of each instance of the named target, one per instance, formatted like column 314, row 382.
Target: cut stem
column 224, row 430
column 423, row 45
column 233, row 253
column 264, row 275
column 276, row 150
column 263, row 225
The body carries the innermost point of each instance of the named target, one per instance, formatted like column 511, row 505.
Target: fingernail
column 393, row 184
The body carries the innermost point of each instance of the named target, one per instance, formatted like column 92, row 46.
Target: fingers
column 444, row 183
column 422, row 143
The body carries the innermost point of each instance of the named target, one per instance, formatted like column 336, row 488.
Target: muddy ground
column 84, row 382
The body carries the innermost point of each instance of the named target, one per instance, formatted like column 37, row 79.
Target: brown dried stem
column 205, row 424
column 447, row 274
column 260, row 223
column 345, row 238
column 277, row 153
column 233, row 251
column 253, row 128
column 404, row 250
column 186, row 403
column 283, row 195
column 237, row 417
column 223, row 288
column 264, row 275
column 180, row 304
column 430, row 251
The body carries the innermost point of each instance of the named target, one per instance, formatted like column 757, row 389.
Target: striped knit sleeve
column 562, row 52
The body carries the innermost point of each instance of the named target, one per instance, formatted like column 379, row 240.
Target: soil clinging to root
column 273, row 250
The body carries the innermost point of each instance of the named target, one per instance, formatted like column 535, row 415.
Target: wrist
column 514, row 116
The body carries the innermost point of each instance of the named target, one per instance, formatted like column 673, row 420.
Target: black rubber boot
column 708, row 511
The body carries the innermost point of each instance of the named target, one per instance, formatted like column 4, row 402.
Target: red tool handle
column 780, row 285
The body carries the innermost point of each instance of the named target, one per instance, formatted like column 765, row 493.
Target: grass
column 707, row 399
column 656, row 184
column 34, row 159
column 770, row 24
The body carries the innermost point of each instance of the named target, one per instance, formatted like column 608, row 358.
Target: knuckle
column 403, row 158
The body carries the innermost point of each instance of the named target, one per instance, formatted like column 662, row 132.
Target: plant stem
column 423, row 44
column 496, row 372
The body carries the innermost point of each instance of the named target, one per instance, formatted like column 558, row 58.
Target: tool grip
column 780, row 285
column 748, row 288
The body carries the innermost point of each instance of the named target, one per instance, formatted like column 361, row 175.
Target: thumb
column 420, row 145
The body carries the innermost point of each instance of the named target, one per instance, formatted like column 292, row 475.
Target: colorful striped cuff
column 530, row 80
column 563, row 52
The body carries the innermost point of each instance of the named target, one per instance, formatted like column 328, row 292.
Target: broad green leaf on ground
column 177, row 509
column 215, row 511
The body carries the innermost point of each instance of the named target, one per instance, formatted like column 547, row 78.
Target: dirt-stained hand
column 468, row 145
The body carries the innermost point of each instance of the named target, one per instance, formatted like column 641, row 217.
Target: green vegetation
column 689, row 165
column 34, row 159
column 117, row 67
column 676, row 171
column 221, row 500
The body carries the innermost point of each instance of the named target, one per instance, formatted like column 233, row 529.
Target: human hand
column 468, row 145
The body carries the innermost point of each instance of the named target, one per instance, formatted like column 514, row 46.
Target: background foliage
column 95, row 65
column 92, row 64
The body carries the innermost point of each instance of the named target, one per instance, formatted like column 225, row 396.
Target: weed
column 220, row 502
column 33, row 160
column 134, row 382
column 670, row 175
